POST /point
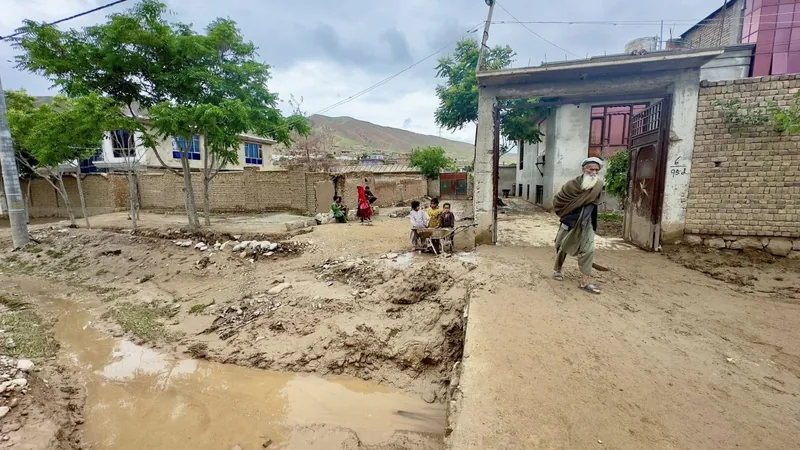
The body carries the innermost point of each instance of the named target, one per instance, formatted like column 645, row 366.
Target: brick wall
column 235, row 192
column 744, row 183
column 707, row 34
column 101, row 192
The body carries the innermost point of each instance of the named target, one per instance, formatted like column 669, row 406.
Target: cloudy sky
column 325, row 51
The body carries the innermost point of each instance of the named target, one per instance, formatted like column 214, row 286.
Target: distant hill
column 358, row 136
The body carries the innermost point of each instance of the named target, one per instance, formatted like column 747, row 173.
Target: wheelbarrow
column 446, row 236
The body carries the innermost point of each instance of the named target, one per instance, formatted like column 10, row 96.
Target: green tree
column 431, row 161
column 170, row 75
column 57, row 135
column 616, row 177
column 458, row 96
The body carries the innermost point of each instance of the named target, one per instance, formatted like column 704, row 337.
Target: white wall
column 685, row 93
column 566, row 152
column 530, row 175
column 731, row 65
column 506, row 179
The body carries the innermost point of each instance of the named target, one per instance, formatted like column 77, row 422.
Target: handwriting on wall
column 678, row 168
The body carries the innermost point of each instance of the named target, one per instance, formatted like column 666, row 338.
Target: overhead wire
column 535, row 33
column 74, row 16
column 473, row 29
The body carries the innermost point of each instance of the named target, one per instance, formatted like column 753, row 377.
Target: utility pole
column 661, row 38
column 482, row 51
column 16, row 203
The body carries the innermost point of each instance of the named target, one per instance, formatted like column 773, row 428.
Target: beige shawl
column 571, row 197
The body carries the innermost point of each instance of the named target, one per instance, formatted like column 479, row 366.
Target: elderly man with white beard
column 576, row 205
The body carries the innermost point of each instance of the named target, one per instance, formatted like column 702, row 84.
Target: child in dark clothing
column 448, row 219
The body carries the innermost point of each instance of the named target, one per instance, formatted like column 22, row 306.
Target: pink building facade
column 774, row 26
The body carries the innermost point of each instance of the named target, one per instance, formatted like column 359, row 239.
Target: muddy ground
column 341, row 301
column 346, row 300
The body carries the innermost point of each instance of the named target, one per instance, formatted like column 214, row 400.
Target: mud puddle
column 139, row 398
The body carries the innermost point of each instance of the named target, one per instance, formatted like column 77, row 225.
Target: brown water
column 141, row 399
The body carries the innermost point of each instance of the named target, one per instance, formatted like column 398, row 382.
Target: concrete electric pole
column 482, row 51
column 16, row 203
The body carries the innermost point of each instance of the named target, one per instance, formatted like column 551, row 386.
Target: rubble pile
column 355, row 272
column 13, row 385
column 251, row 250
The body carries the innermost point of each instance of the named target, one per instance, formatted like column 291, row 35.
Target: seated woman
column 419, row 220
column 339, row 211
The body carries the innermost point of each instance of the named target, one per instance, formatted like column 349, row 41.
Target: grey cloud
column 398, row 45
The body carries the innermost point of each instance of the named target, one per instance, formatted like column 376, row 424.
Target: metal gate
column 453, row 186
column 649, row 140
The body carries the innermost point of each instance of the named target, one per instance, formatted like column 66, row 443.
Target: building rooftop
column 377, row 168
column 605, row 66
column 709, row 18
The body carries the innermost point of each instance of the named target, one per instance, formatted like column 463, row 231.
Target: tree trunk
column 28, row 201
column 67, row 204
column 137, row 199
column 206, row 183
column 83, row 199
column 206, row 201
column 188, row 193
column 132, row 198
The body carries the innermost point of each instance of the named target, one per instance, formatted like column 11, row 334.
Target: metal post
column 482, row 50
column 16, row 203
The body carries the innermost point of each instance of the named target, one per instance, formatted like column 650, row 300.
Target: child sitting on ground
column 419, row 220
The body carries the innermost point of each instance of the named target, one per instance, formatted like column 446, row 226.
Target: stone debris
column 279, row 288
column 25, row 365
column 183, row 243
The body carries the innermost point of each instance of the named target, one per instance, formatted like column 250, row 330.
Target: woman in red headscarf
column 364, row 208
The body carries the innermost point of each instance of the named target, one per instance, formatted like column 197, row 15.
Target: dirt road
column 346, row 340
column 665, row 358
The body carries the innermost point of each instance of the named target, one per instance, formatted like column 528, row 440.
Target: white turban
column 591, row 160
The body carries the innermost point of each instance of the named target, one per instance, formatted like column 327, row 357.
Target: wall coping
column 752, row 80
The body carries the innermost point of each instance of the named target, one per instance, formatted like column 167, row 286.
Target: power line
column 390, row 78
column 75, row 16
column 535, row 33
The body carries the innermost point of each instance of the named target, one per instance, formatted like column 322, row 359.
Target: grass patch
column 31, row 338
column 610, row 217
column 55, row 254
column 12, row 303
column 142, row 320
column 35, row 250
column 197, row 309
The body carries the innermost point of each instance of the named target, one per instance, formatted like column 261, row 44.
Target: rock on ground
column 717, row 243
column 779, row 247
column 279, row 288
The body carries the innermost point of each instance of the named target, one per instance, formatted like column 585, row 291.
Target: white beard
column 588, row 182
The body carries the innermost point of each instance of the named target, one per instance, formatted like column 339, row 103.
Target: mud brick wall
column 250, row 191
column 247, row 191
column 102, row 193
column 744, row 182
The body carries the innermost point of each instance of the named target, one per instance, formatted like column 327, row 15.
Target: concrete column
column 683, row 121
column 483, row 200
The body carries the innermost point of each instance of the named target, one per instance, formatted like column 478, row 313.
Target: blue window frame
column 252, row 154
column 87, row 165
column 193, row 152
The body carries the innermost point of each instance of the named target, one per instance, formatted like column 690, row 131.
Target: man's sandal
column 558, row 276
column 590, row 288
